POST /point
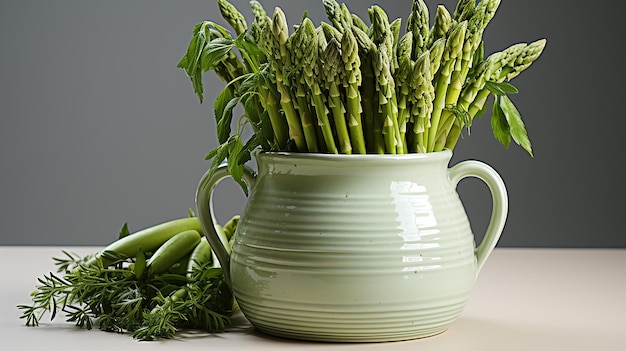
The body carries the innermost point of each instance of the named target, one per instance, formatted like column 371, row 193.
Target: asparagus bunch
column 346, row 86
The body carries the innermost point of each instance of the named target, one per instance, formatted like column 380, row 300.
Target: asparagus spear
column 369, row 97
column 306, row 43
column 394, row 27
column 436, row 54
column 421, row 100
column 274, row 44
column 260, row 20
column 453, row 50
column 352, row 82
column 337, row 16
column 346, row 16
column 358, row 22
column 527, row 57
column 387, row 100
column 302, row 57
column 418, row 24
column 330, row 32
column 473, row 37
column 464, row 10
column 503, row 67
column 232, row 16
column 332, row 77
column 382, row 34
column 402, row 77
column 270, row 99
column 498, row 67
column 383, row 67
column 383, row 38
column 341, row 32
column 238, row 22
column 269, row 96
column 442, row 25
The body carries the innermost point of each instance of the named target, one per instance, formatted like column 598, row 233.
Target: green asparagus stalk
column 303, row 51
column 453, row 50
column 342, row 21
column 332, row 77
column 232, row 16
column 352, row 82
column 441, row 26
column 464, row 10
column 490, row 8
column 347, row 17
column 383, row 38
column 382, row 34
column 271, row 102
column 321, row 47
column 274, row 44
column 501, row 69
column 394, row 27
column 423, row 94
column 358, row 22
column 402, row 77
column 269, row 97
column 260, row 20
column 321, row 102
column 473, row 37
column 418, row 24
column 280, row 32
column 485, row 70
column 330, row 32
column 498, row 67
column 369, row 97
column 387, row 101
column 277, row 120
column 306, row 43
column 436, row 54
column 337, row 16
column 527, row 57
column 238, row 22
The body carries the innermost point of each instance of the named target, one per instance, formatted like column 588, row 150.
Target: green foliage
column 126, row 296
column 506, row 121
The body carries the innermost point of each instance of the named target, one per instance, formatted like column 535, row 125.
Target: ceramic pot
column 354, row 248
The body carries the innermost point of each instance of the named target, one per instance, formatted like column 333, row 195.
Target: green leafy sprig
column 124, row 297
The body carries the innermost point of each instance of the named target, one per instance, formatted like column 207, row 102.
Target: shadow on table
column 481, row 334
column 466, row 334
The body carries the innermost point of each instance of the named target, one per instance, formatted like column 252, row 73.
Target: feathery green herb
column 151, row 293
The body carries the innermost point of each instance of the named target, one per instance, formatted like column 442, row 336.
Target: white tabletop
column 524, row 299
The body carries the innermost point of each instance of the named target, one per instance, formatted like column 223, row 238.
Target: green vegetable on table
column 350, row 87
column 151, row 284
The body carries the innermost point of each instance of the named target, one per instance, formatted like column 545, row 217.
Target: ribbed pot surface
column 353, row 248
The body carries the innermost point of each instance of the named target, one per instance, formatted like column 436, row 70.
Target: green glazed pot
column 354, row 248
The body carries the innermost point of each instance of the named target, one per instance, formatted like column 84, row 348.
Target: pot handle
column 500, row 206
column 204, row 209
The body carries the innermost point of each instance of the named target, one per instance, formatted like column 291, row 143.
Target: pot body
column 357, row 247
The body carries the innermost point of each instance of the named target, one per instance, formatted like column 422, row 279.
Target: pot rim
column 445, row 154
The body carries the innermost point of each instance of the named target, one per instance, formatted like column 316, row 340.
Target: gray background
column 100, row 128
